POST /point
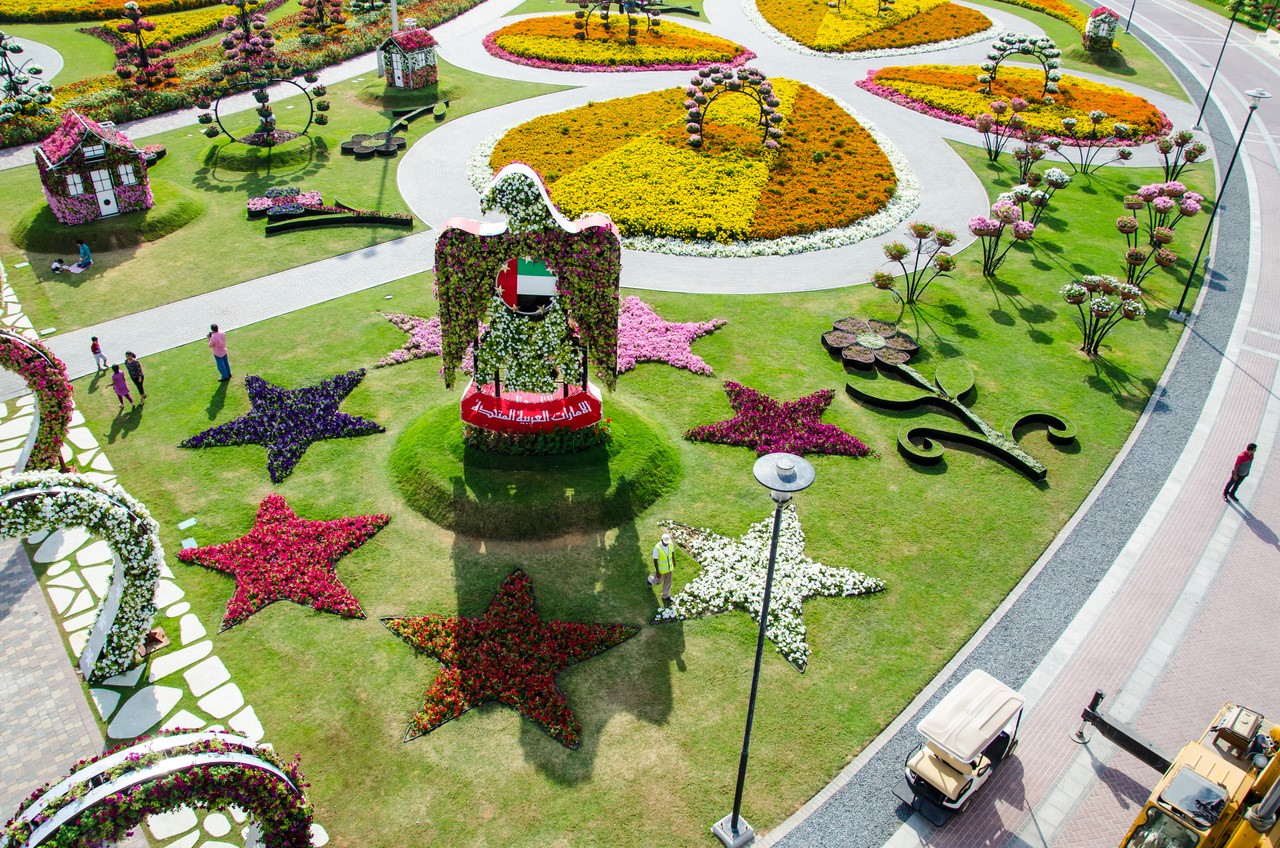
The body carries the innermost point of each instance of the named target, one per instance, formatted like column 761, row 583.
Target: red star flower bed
column 508, row 655
column 285, row 557
column 771, row 426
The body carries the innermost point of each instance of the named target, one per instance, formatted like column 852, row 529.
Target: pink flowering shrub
column 46, row 376
column 645, row 337
column 771, row 426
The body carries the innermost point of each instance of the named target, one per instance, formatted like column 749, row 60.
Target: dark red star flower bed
column 771, row 426
column 509, row 655
column 285, row 557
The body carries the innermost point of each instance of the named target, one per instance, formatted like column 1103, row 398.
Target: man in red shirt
column 1240, row 471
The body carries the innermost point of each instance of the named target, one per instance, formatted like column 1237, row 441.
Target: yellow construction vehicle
column 1218, row 792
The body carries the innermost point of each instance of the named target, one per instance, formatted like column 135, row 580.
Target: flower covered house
column 408, row 58
column 91, row 171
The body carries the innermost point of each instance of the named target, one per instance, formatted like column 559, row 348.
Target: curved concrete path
column 44, row 56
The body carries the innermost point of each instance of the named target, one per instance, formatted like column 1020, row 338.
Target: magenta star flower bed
column 285, row 557
column 287, row 421
column 645, row 337
column 771, row 426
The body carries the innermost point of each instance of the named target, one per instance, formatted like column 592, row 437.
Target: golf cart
column 966, row 737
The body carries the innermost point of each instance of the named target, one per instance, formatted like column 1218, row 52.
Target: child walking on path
column 122, row 388
column 134, row 367
column 99, row 358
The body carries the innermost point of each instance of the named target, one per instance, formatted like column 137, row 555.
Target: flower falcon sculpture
column 546, row 288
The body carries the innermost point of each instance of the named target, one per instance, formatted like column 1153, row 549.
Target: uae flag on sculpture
column 525, row 278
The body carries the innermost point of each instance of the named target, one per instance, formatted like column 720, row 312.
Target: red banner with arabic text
column 524, row 412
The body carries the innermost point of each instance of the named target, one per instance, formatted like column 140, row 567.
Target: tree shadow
column 1110, row 379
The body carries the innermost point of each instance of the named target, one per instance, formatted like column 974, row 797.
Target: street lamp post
column 783, row 474
column 1129, row 23
column 1235, row 10
column 1256, row 96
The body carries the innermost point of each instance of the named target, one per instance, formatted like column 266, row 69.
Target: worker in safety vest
column 664, row 557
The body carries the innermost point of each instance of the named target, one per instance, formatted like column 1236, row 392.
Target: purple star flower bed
column 771, row 426
column 287, row 421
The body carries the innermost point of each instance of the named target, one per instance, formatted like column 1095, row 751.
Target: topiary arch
column 711, row 82
column 46, row 500
column 46, row 376
column 106, row 797
column 585, row 255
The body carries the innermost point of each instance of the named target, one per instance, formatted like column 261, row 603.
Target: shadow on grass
column 1111, row 379
column 605, row 583
column 124, row 424
column 217, row 400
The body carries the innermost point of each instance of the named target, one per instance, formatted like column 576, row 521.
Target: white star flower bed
column 733, row 575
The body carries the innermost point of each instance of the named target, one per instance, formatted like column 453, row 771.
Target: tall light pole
column 1235, row 10
column 1256, row 96
column 1129, row 23
column 783, row 474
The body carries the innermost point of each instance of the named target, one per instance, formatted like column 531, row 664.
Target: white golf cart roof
column 971, row 716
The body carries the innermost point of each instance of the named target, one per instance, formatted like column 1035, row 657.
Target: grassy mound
column 509, row 497
column 378, row 93
column 174, row 208
column 232, row 156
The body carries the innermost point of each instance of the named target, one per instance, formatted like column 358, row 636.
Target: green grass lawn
column 662, row 713
column 1133, row 63
column 222, row 247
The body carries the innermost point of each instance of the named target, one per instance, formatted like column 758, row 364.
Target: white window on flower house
column 95, row 151
column 101, row 180
column 75, row 185
column 127, row 175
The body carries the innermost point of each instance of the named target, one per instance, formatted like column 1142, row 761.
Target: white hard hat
column 666, row 538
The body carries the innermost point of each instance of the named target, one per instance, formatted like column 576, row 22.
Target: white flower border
column 733, row 575
column 753, row 14
column 905, row 200
column 127, row 527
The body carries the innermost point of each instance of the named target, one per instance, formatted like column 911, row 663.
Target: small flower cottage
column 91, row 171
column 408, row 58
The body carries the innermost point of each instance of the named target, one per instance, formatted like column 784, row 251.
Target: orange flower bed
column 630, row 159
column 551, row 41
column 952, row 92
column 941, row 23
column 45, row 11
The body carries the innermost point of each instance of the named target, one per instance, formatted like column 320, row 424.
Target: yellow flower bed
column 629, row 158
column 1054, row 9
column 856, row 23
column 551, row 39
column 179, row 27
column 955, row 89
column 88, row 10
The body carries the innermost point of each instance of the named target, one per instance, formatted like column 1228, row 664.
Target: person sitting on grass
column 58, row 266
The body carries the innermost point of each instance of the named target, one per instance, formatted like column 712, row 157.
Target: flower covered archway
column 46, row 376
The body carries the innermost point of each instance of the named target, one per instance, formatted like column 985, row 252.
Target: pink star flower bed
column 645, row 337
column 771, row 426
column 285, row 557
column 424, row 339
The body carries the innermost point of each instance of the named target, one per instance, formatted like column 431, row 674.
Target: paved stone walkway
column 48, row 725
column 44, row 55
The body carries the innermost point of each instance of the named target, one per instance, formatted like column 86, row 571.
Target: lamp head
column 783, row 474
column 1256, row 96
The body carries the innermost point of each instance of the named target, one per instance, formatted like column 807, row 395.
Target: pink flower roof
column 412, row 39
column 71, row 132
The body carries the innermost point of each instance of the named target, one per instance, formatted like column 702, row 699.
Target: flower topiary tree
column 1030, row 193
column 1103, row 302
column 1179, row 150
column 1018, row 44
column 650, row 10
column 709, row 83
column 1007, row 216
column 141, row 59
column 1166, row 205
column 996, row 135
column 21, row 90
column 929, row 256
column 321, row 16
column 1089, row 144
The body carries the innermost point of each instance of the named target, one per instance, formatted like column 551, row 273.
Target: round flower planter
column 1101, row 312
column 1164, row 237
column 1107, row 286
column 1076, row 299
column 1135, row 258
column 1133, row 310
column 1127, row 226
column 1166, row 258
column 882, row 284
column 1134, row 203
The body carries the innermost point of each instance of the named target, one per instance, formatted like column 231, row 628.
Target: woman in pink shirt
column 122, row 388
column 218, row 344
